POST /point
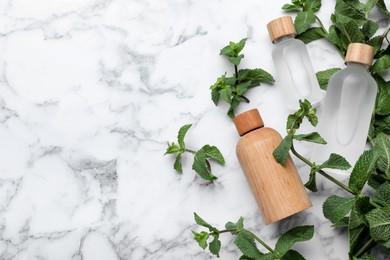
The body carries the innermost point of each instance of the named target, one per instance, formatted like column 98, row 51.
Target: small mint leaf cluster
column 201, row 163
column 245, row 240
column 232, row 89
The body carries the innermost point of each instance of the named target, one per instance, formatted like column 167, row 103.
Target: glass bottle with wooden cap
column 278, row 190
column 295, row 72
column 348, row 106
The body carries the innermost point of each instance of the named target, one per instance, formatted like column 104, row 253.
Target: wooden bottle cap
column 360, row 53
column 281, row 26
column 248, row 121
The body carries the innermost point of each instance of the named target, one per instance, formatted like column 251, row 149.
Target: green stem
column 376, row 205
column 335, row 181
column 190, row 151
column 367, row 246
column 236, row 71
column 227, row 230
column 384, row 35
column 245, row 98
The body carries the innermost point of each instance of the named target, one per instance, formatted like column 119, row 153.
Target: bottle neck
column 254, row 129
column 284, row 38
column 356, row 65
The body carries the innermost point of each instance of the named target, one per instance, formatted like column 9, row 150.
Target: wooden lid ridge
column 248, row 121
column 280, row 27
column 360, row 53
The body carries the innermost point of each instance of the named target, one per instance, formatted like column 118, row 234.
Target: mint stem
column 236, row 73
column 376, row 205
column 245, row 98
column 384, row 35
column 190, row 151
column 335, row 181
column 367, row 246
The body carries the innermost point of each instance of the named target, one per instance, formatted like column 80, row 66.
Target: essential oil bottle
column 278, row 190
column 348, row 106
column 296, row 76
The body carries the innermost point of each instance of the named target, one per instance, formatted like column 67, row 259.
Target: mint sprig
column 201, row 164
column 232, row 89
column 246, row 241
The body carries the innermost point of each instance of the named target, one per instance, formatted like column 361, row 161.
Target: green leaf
column 282, row 151
column 233, row 49
column 324, row 76
column 364, row 257
column 312, row 5
column 334, row 37
column 303, row 20
column 335, row 207
column 383, row 97
column 235, row 102
column 376, row 180
column 382, row 195
column 215, row 96
column 291, row 7
column 370, row 28
column 236, row 60
column 382, row 6
column 381, row 64
column 201, row 238
column 335, row 161
column 311, row 183
column 255, row 75
column 243, row 87
column 214, row 153
column 347, row 10
column 312, row 34
column 292, row 255
column 245, row 242
column 350, row 32
column 312, row 137
column 363, row 168
column 342, row 223
column 172, row 148
column 382, row 148
column 294, row 121
column 203, row 223
column 200, row 166
column 215, row 245
column 379, row 222
column 177, row 165
column 226, row 94
column 292, row 236
column 369, row 6
column 382, row 124
column 182, row 133
column 238, row 225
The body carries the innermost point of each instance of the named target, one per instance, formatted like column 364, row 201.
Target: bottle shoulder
column 362, row 76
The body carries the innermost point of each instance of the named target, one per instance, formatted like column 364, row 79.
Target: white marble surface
column 91, row 91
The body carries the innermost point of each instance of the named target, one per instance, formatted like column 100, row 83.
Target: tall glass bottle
column 348, row 106
column 296, row 76
column 278, row 189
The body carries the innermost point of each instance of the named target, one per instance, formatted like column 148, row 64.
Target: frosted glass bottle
column 348, row 106
column 296, row 76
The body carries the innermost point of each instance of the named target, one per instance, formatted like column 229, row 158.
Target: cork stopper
column 248, row 121
column 281, row 27
column 360, row 53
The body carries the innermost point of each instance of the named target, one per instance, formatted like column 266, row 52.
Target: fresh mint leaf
column 233, row 105
column 215, row 96
column 236, row 60
column 182, row 133
column 203, row 223
column 369, row 6
column 382, row 195
column 335, row 207
column 201, row 238
column 364, row 257
column 333, row 36
column 213, row 153
column 383, row 97
column 336, row 161
column 282, row 151
column 291, row 7
column 303, row 21
column 236, row 226
column 382, row 6
column 363, row 168
column 381, row 64
column 370, row 28
column 311, row 183
column 312, row 5
column 376, row 180
column 379, row 222
column 226, row 94
column 215, row 245
column 382, row 124
column 324, row 76
column 350, row 32
column 382, row 148
column 255, row 75
column 292, row 255
column 311, row 34
column 245, row 242
column 233, row 49
column 312, row 137
column 172, row 148
column 292, row 236
column 345, row 9
column 177, row 164
column 200, row 166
